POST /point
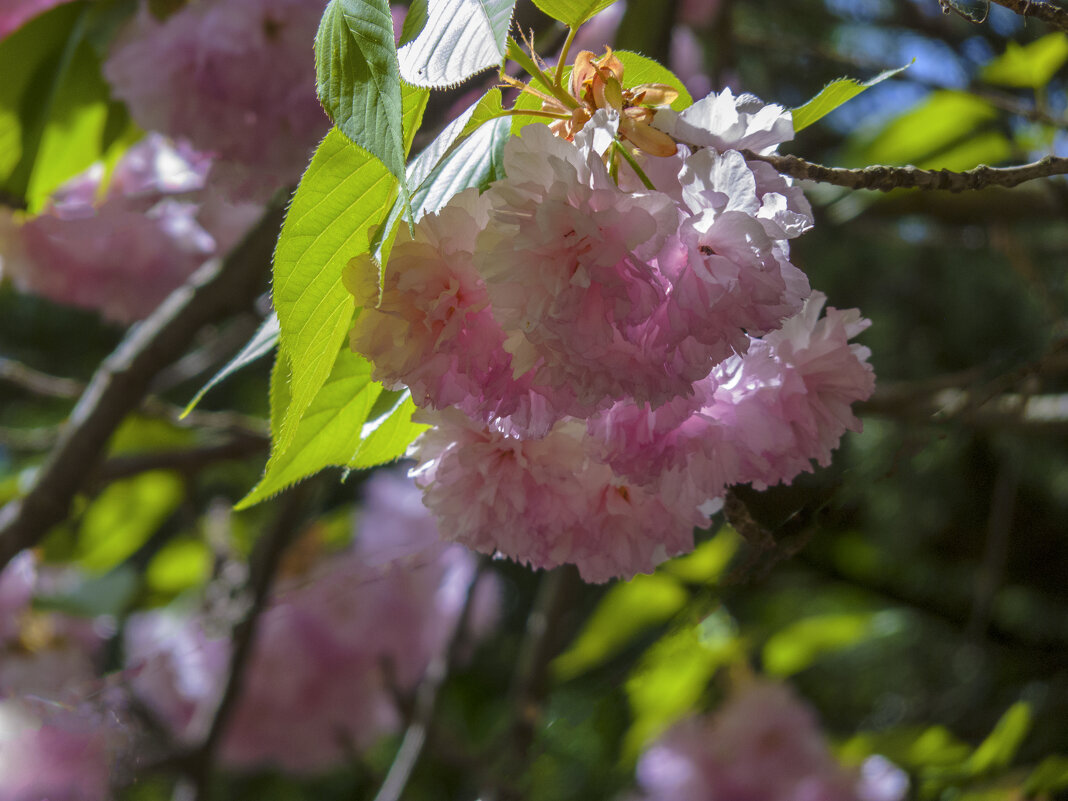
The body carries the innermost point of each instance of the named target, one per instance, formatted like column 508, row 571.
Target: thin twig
column 1050, row 14
column 188, row 461
column 422, row 720
column 264, row 562
column 123, row 379
column 531, row 678
column 885, row 178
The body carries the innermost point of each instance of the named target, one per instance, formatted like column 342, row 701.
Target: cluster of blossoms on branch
column 763, row 744
column 322, row 681
column 613, row 333
column 226, row 90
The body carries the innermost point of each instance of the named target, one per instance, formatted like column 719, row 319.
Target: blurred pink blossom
column 123, row 245
column 337, row 641
column 234, row 77
column 15, row 13
column 763, row 744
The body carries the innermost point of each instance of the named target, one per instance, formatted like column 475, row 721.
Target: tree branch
column 885, row 178
column 1050, row 14
column 264, row 563
column 122, row 381
column 426, row 701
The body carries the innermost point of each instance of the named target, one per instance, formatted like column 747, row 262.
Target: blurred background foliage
column 915, row 592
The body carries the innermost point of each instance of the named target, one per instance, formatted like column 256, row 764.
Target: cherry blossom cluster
column 122, row 243
column 325, row 673
column 600, row 360
column 235, row 78
column 763, row 744
column 59, row 738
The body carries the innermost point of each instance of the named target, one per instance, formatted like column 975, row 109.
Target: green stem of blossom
column 515, row 52
column 565, row 51
column 622, row 150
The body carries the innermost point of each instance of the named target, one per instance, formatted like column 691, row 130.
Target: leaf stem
column 620, row 148
column 565, row 51
column 515, row 52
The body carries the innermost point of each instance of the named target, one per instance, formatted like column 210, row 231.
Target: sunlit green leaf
column 834, row 95
column 1028, row 66
column 330, row 431
column 794, row 648
column 672, row 675
column 261, row 343
column 459, row 38
column 54, row 108
column 1000, row 747
column 179, row 565
column 708, row 560
column 122, row 518
column 388, row 431
column 627, row 609
column 344, row 195
column 1050, row 776
column 573, row 12
column 931, row 134
column 637, row 69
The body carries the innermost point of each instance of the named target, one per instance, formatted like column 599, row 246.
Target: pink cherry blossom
column 123, row 247
column 760, row 418
column 763, row 744
column 54, row 752
column 324, row 672
column 236, row 78
column 725, row 122
column 544, row 501
column 15, row 13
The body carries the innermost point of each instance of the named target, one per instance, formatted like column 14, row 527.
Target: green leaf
column 638, row 69
column 389, row 430
column 462, row 155
column 329, row 432
column 1029, row 66
column 999, row 748
column 459, row 39
column 931, row 134
column 358, row 80
column 122, row 518
column 342, row 197
column 835, row 94
column 345, row 426
column 797, row 646
column 262, row 343
column 573, row 12
column 1050, row 776
column 414, row 21
column 708, row 560
column 626, row 610
column 180, row 565
column 672, row 675
column 54, row 108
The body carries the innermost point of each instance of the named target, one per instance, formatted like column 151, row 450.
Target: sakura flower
column 725, row 122
column 236, row 78
column 429, row 326
column 324, row 672
column 123, row 247
column 763, row 744
column 544, row 501
column 41, row 652
column 55, row 752
column 15, row 13
column 759, row 418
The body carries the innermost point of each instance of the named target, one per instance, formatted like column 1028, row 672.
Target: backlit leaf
column 834, row 95
column 573, row 12
column 459, row 39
